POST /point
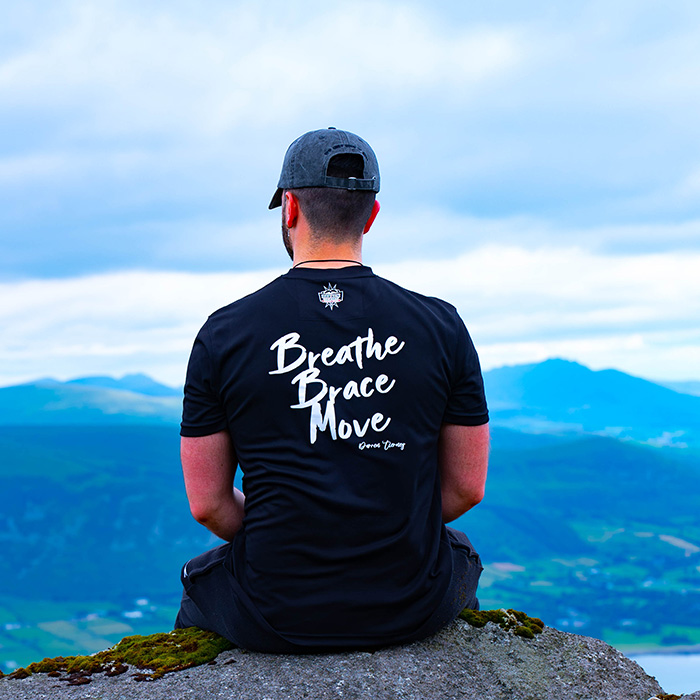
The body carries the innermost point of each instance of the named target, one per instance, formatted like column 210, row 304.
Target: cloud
column 127, row 117
column 436, row 233
column 556, row 291
column 539, row 168
column 635, row 312
column 110, row 324
column 114, row 69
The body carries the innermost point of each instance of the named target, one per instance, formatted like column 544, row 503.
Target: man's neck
column 312, row 249
column 328, row 257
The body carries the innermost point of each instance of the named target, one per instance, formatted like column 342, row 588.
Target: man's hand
column 209, row 465
column 463, row 455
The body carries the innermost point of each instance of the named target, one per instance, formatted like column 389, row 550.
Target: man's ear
column 372, row 216
column 291, row 209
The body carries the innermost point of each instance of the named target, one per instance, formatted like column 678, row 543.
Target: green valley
column 592, row 533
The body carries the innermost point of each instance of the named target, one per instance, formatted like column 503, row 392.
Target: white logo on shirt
column 331, row 296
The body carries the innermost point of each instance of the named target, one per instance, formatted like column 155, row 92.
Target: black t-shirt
column 334, row 385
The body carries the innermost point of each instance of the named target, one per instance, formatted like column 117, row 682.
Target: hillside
column 590, row 532
column 137, row 383
column 557, row 396
column 90, row 401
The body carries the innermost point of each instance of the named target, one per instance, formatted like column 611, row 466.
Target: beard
column 285, row 231
column 286, row 241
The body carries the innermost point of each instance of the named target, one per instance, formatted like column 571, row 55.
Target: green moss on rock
column 510, row 620
column 157, row 654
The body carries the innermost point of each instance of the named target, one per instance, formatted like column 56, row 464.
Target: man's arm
column 463, row 455
column 209, row 465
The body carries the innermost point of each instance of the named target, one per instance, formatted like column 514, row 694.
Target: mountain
column 584, row 531
column 590, row 519
column 136, row 399
column 555, row 397
column 692, row 388
column 90, row 504
column 137, row 383
column 558, row 396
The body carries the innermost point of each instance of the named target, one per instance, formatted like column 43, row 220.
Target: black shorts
column 213, row 600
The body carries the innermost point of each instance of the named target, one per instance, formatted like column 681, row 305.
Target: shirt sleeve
column 202, row 409
column 467, row 402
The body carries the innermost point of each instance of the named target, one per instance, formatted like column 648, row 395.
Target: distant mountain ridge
column 552, row 397
column 559, row 396
column 589, row 521
column 691, row 387
column 138, row 383
column 134, row 399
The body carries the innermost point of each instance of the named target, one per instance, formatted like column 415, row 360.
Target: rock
column 461, row 662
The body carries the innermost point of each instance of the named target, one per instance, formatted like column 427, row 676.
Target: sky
column 540, row 170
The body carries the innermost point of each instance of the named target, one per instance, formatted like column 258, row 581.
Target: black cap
column 306, row 163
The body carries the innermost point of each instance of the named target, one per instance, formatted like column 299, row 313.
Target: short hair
column 334, row 213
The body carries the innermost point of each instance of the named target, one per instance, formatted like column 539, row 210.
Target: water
column 676, row 673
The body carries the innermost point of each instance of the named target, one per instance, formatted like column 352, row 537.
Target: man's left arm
column 463, row 456
column 208, row 466
column 463, row 446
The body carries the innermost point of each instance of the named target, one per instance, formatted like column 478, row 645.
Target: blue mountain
column 91, row 401
column 582, row 523
column 558, row 396
column 691, row 387
column 137, row 383
column 555, row 397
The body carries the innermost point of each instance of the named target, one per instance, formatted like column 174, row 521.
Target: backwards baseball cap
column 306, row 163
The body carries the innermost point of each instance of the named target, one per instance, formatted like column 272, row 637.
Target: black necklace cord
column 304, row 262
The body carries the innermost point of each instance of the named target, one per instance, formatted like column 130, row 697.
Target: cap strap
column 351, row 183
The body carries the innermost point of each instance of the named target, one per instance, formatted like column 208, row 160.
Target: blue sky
column 540, row 168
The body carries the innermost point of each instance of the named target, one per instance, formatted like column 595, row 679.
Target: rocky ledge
column 495, row 655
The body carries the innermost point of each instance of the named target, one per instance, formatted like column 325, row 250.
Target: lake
column 676, row 673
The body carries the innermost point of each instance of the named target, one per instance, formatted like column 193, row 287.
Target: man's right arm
column 208, row 466
column 463, row 455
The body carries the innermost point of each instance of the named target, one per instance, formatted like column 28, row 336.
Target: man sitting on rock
column 356, row 411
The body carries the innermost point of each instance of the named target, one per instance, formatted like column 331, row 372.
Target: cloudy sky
column 540, row 169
